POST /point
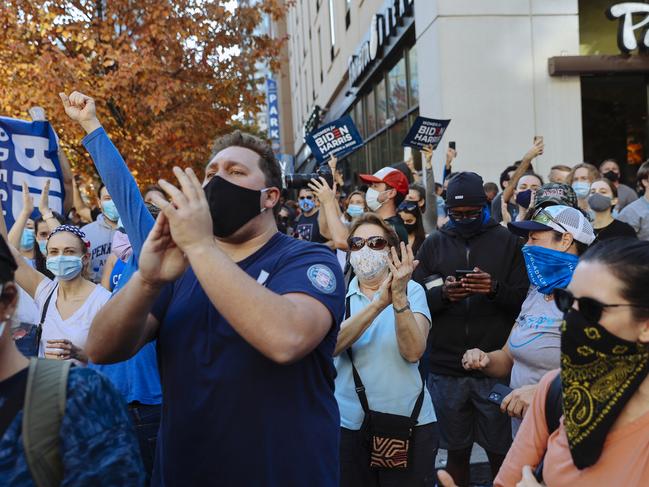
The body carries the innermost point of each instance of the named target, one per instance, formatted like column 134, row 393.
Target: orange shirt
column 624, row 460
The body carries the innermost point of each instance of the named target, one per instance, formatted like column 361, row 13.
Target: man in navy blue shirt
column 246, row 320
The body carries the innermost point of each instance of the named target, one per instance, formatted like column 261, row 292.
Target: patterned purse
column 389, row 434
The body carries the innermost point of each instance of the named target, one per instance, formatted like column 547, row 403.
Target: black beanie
column 465, row 189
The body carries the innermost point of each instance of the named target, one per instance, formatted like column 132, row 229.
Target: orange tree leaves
column 168, row 76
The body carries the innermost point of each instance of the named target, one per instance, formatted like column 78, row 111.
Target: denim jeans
column 146, row 421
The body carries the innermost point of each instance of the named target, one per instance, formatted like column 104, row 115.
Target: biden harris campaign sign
column 425, row 132
column 338, row 138
column 28, row 153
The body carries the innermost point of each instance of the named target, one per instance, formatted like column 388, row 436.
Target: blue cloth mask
column 524, row 198
column 65, row 267
column 582, row 189
column 547, row 268
column 110, row 210
column 27, row 239
column 306, row 205
column 355, row 210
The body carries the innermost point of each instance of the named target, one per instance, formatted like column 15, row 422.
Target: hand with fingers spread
column 401, row 269
column 518, row 401
column 475, row 359
column 81, row 108
column 44, row 203
column 28, row 201
column 188, row 212
column 479, row 282
column 322, row 190
column 161, row 260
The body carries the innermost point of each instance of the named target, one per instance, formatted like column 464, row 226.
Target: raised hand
column 427, row 152
column 161, row 261
column 81, row 108
column 450, row 155
column 535, row 151
column 333, row 162
column 322, row 190
column 384, row 294
column 28, row 200
column 401, row 269
column 475, row 359
column 44, row 203
column 188, row 213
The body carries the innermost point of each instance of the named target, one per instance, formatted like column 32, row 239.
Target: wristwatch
column 401, row 310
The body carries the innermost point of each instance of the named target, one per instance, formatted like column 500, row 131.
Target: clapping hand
column 28, row 200
column 44, row 203
column 401, row 269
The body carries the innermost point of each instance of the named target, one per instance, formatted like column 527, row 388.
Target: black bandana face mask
column 599, row 374
column 231, row 206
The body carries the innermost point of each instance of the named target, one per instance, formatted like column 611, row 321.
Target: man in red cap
column 388, row 188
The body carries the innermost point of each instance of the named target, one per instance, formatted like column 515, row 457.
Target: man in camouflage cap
column 552, row 194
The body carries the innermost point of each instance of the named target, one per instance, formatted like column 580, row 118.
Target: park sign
column 28, row 153
column 338, row 138
column 425, row 132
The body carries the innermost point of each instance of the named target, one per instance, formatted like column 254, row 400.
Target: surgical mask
column 600, row 373
column 27, row 239
column 524, row 198
column 372, row 199
column 548, row 269
column 599, row 202
column 368, row 263
column 582, row 189
column 231, row 206
column 121, row 247
column 306, row 205
column 42, row 245
column 65, row 267
column 120, row 223
column 355, row 210
column 110, row 210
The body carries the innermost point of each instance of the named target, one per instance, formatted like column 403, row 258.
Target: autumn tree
column 168, row 76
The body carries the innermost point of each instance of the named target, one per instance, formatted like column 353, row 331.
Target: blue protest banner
column 339, row 138
column 425, row 132
column 28, row 152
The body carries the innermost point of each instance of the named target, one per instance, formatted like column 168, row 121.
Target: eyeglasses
column 374, row 243
column 544, row 213
column 590, row 308
column 310, row 197
column 465, row 215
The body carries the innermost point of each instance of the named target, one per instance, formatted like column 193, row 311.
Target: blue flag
column 338, row 138
column 425, row 132
column 28, row 152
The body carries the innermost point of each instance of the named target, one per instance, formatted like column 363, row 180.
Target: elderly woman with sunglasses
column 602, row 388
column 556, row 236
column 379, row 389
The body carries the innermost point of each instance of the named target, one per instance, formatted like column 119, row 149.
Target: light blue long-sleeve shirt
column 137, row 378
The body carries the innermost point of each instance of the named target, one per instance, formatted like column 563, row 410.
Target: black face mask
column 468, row 227
column 600, row 372
column 611, row 176
column 410, row 227
column 231, row 206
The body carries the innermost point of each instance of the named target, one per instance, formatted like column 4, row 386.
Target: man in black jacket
column 472, row 309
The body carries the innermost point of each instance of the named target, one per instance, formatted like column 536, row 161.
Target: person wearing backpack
column 58, row 425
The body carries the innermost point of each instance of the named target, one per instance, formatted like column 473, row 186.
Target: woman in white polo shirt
column 70, row 300
column 388, row 430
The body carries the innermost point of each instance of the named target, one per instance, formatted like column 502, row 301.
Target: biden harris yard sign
column 425, row 132
column 28, row 153
column 338, row 138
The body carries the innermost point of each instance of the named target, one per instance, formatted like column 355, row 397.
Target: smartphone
column 498, row 393
column 451, row 145
column 538, row 138
column 460, row 273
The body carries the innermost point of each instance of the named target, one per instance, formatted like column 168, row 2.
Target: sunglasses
column 541, row 214
column 374, row 243
column 590, row 308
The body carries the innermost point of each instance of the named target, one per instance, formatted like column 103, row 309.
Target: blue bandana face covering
column 549, row 269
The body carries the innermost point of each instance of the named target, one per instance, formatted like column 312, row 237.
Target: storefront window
column 413, row 79
column 397, row 133
column 370, row 110
column 397, row 90
column 381, row 107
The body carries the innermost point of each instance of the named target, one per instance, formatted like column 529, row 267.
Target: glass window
column 370, row 110
column 397, row 133
column 413, row 78
column 397, row 91
column 381, row 107
column 598, row 34
column 332, row 26
column 383, row 153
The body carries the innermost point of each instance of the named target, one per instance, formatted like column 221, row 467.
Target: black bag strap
column 360, row 388
column 47, row 305
column 553, row 412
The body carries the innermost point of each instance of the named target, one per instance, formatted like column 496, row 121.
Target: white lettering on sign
column 626, row 37
column 383, row 26
column 31, row 152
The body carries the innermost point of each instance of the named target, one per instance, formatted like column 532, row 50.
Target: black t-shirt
column 397, row 223
column 12, row 398
column 307, row 228
column 615, row 229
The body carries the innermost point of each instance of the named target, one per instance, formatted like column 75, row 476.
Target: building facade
column 503, row 71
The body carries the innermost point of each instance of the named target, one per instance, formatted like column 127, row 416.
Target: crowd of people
column 223, row 330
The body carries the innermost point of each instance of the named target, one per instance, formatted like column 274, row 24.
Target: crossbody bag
column 29, row 343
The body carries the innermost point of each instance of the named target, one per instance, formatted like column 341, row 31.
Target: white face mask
column 372, row 199
column 368, row 263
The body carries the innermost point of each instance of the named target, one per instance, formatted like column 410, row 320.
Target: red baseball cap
column 390, row 176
